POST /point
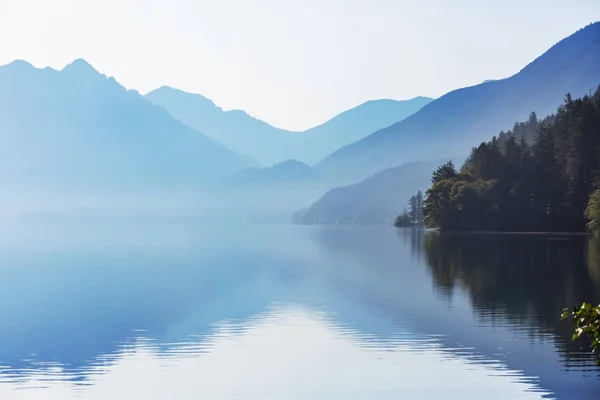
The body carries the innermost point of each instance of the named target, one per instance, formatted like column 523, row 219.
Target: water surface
column 161, row 311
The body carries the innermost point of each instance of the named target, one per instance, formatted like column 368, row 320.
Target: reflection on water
column 523, row 280
column 182, row 312
column 289, row 352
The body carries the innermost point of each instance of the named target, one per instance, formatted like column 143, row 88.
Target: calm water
column 188, row 312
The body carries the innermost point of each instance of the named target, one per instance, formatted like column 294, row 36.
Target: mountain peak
column 167, row 89
column 239, row 113
column 291, row 163
column 176, row 95
column 19, row 64
column 80, row 66
column 422, row 98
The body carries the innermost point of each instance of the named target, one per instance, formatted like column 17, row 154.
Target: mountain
column 76, row 128
column 353, row 125
column 269, row 145
column 376, row 200
column 235, row 129
column 290, row 172
column 269, row 194
column 449, row 125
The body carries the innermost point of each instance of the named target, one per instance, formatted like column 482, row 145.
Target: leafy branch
column 586, row 319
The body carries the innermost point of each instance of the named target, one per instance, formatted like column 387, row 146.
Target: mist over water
column 185, row 310
column 147, row 249
column 232, row 205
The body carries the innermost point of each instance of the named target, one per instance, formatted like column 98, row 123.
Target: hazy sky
column 293, row 63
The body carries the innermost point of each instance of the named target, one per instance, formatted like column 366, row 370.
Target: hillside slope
column 287, row 173
column 269, row 194
column 376, row 200
column 77, row 128
column 269, row 145
column 354, row 124
column 235, row 129
column 449, row 125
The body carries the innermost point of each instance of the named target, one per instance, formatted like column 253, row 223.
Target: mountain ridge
column 449, row 125
column 237, row 130
column 351, row 125
column 376, row 200
column 289, row 172
column 90, row 130
column 246, row 134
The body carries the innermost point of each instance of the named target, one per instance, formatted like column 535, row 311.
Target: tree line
column 543, row 175
column 413, row 215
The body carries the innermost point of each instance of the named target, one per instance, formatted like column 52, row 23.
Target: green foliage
column 419, row 217
column 459, row 203
column 592, row 212
column 374, row 201
column 445, row 171
column 537, row 177
column 403, row 220
column 437, row 208
column 586, row 319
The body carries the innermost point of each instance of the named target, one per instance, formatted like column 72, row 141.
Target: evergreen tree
column 403, row 220
column 592, row 212
column 413, row 216
column 538, row 176
column 445, row 171
column 413, row 209
column 419, row 200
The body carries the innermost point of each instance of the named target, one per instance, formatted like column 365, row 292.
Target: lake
column 182, row 311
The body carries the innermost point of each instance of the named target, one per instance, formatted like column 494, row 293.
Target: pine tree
column 541, row 175
column 419, row 200
column 445, row 171
column 414, row 210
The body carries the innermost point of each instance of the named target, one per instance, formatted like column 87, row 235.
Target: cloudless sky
column 293, row 63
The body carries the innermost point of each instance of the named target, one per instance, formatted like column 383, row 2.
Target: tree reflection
column 526, row 279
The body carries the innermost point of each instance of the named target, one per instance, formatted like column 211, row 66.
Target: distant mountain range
column 352, row 125
column 374, row 201
column 247, row 135
column 290, row 172
column 235, row 129
column 77, row 128
column 450, row 125
column 74, row 134
column 270, row 194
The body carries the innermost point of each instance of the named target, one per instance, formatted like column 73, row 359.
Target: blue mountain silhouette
column 450, row 125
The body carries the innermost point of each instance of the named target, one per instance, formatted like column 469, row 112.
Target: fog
column 271, row 205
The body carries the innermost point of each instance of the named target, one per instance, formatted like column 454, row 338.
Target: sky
column 292, row 63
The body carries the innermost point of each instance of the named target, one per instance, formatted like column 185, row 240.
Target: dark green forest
column 543, row 175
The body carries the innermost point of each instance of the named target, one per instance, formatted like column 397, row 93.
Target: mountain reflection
column 72, row 308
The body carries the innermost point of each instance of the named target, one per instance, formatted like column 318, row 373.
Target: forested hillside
column 376, row 200
column 540, row 176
